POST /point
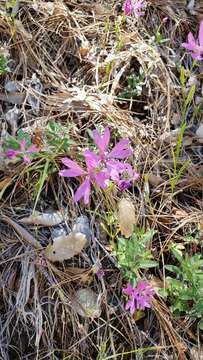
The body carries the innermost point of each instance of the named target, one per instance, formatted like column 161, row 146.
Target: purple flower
column 195, row 46
column 121, row 173
column 23, row 152
column 102, row 166
column 140, row 297
column 120, row 151
column 93, row 174
column 131, row 7
column 100, row 273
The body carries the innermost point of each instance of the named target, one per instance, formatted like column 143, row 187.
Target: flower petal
column 101, row 179
column 92, row 160
column 75, row 169
column 191, row 39
column 128, row 7
column 83, row 192
column 22, row 144
column 11, row 153
column 196, row 56
column 26, row 159
column 128, row 290
column 102, row 142
column 131, row 306
column 32, row 149
column 121, row 150
column 124, row 184
column 188, row 46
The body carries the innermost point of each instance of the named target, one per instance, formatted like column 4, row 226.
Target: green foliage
column 134, row 87
column 186, row 290
column 13, row 6
column 133, row 254
column 187, row 98
column 3, row 65
column 159, row 38
column 57, row 137
column 12, row 142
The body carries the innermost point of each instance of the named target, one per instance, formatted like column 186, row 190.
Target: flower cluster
column 101, row 166
column 195, row 46
column 24, row 151
column 140, row 296
column 133, row 7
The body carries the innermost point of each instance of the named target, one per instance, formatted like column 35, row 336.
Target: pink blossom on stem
column 140, row 297
column 195, row 46
column 93, row 174
column 133, row 7
column 22, row 152
column 121, row 173
column 120, row 151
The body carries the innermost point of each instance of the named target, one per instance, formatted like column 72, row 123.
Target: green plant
column 133, row 254
column 187, row 97
column 185, row 291
column 3, row 64
column 57, row 137
column 13, row 6
column 134, row 87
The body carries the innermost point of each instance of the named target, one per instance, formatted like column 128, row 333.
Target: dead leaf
column 84, row 51
column 65, row 247
column 12, row 86
column 179, row 213
column 86, row 303
column 82, row 225
column 155, row 180
column 13, row 98
column 44, row 219
column 24, row 234
column 126, row 217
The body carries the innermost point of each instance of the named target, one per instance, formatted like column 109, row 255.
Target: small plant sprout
column 131, row 7
column 3, row 64
column 140, row 297
column 25, row 152
column 134, row 254
column 195, row 46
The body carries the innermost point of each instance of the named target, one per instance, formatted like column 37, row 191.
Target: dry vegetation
column 73, row 59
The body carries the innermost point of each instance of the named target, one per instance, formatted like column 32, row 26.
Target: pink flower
column 140, row 296
column 92, row 174
column 23, row 152
column 195, row 46
column 130, row 7
column 120, row 151
column 102, row 166
column 121, row 173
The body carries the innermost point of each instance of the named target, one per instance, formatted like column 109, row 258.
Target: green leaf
column 182, row 76
column 190, row 95
column 173, row 268
column 200, row 324
column 148, row 235
column 145, row 264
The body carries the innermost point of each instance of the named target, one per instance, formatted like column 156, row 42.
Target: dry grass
column 70, row 45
